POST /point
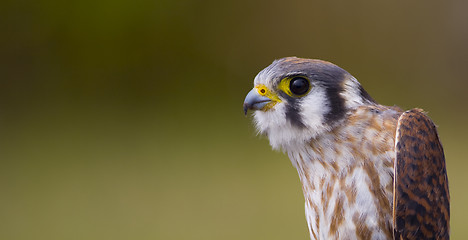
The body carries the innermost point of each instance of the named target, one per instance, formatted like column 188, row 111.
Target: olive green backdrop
column 123, row 119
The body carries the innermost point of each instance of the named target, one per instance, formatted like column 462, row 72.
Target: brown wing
column 421, row 208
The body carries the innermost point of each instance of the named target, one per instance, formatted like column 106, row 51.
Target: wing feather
column 421, row 203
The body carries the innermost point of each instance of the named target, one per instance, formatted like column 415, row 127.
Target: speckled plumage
column 346, row 149
column 347, row 169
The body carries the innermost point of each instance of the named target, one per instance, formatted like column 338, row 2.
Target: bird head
column 295, row 100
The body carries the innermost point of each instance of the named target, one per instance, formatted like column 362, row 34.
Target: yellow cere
column 264, row 91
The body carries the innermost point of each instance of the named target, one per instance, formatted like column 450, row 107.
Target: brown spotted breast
column 347, row 176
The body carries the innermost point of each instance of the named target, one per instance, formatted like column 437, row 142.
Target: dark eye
column 299, row 85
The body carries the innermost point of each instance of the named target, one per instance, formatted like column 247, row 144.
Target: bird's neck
column 347, row 176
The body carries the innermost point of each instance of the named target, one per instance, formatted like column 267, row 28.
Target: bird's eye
column 299, row 86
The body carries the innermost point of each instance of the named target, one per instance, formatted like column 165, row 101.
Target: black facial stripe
column 293, row 116
column 337, row 104
column 331, row 78
column 293, row 110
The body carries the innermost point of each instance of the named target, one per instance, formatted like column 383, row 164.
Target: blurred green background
column 123, row 119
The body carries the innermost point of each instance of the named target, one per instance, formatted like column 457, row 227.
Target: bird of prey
column 368, row 171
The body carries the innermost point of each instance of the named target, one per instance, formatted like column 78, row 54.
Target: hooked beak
column 255, row 101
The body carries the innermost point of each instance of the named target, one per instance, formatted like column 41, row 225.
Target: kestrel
column 368, row 171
